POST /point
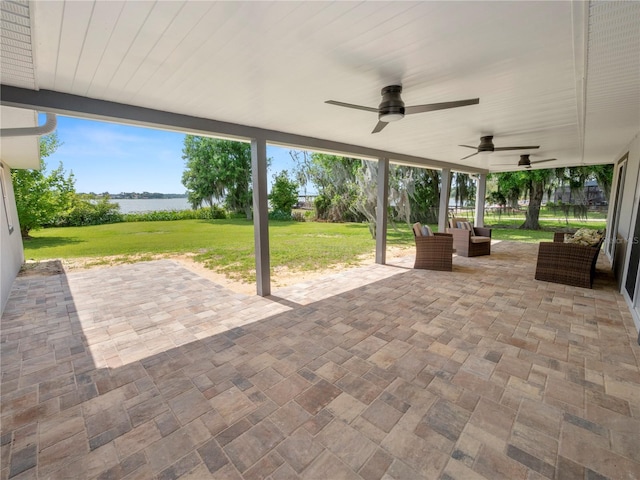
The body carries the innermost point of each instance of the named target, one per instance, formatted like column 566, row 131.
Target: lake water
column 139, row 205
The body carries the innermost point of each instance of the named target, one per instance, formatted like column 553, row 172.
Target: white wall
column 627, row 212
column 630, row 186
column 11, row 252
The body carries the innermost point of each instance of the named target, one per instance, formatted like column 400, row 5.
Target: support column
column 381, row 211
column 260, row 215
column 481, row 193
column 445, row 193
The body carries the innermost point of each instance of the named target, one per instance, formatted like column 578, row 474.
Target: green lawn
column 227, row 245
column 224, row 245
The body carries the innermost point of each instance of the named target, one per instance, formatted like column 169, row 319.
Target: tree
column 603, row 174
column 425, row 201
column 218, row 170
column 534, row 183
column 401, row 190
column 464, row 188
column 365, row 201
column 42, row 197
column 511, row 186
column 284, row 193
column 335, row 178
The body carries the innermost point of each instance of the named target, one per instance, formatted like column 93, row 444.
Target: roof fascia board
column 74, row 105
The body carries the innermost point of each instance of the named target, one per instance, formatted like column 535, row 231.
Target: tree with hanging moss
column 425, row 200
column 41, row 196
column 535, row 183
column 464, row 189
column 530, row 183
column 335, row 178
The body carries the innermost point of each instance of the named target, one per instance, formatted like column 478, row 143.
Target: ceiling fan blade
column 463, row 158
column 525, row 166
column 500, row 149
column 468, row 146
column 440, row 106
column 350, row 105
column 379, row 127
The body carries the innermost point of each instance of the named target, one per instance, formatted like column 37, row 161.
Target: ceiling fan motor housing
column 391, row 107
column 486, row 144
column 524, row 161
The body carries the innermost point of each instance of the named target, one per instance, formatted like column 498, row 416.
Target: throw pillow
column 584, row 236
column 426, row 231
column 466, row 226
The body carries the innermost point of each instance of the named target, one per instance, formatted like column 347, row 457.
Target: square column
column 260, row 215
column 445, row 193
column 381, row 211
column 481, row 193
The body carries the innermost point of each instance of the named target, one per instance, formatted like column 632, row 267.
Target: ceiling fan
column 392, row 109
column 526, row 162
column 486, row 145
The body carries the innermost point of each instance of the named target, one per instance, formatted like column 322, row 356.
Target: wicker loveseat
column 567, row 263
column 470, row 242
column 433, row 252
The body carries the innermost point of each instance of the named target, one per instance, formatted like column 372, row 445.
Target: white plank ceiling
column 562, row 75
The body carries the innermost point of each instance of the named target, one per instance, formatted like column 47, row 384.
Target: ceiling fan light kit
column 392, row 108
column 390, row 117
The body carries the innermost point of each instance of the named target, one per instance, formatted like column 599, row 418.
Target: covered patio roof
column 149, row 371
column 562, row 75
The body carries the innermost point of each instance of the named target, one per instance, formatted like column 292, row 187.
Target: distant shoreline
column 135, row 196
column 143, row 205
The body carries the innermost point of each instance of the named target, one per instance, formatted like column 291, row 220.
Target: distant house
column 592, row 195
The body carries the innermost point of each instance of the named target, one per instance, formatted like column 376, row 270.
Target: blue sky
column 108, row 157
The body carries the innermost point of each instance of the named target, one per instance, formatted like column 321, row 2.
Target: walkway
column 149, row 371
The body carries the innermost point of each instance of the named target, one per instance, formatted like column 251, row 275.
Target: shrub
column 84, row 212
column 280, row 215
column 322, row 204
column 299, row 216
column 205, row 213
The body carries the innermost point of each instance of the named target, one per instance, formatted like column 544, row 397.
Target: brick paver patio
column 149, row 371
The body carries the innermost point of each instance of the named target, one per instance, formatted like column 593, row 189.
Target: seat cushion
column 478, row 239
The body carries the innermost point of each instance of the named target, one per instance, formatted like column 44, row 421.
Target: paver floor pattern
column 149, row 371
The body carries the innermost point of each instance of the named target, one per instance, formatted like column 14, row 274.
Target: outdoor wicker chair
column 433, row 252
column 471, row 241
column 567, row 263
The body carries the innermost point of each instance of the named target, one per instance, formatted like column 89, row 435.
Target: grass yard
column 226, row 246
column 223, row 245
